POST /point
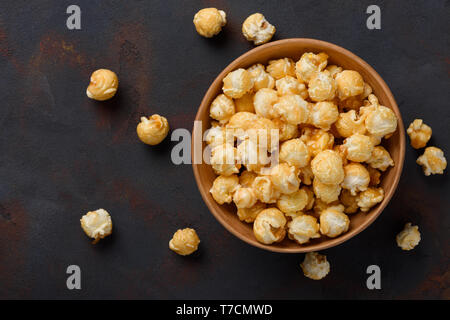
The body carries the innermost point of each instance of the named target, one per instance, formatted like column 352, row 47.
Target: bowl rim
column 399, row 166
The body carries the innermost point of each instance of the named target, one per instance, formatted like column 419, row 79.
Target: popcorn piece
column 349, row 123
column 380, row 159
column 97, row 224
column 374, row 176
column 432, row 161
column 252, row 156
column 334, row 70
column 323, row 115
column 245, row 103
column 269, row 226
column 244, row 198
column 152, row 130
column 370, row 197
column 257, row 29
column 292, row 109
column 246, row 179
column 309, row 64
column 209, row 22
column 315, row 266
column 281, row 68
column 260, row 78
column 380, row 121
column 103, row 85
column 333, row 222
column 419, row 133
column 409, row 237
column 249, row 214
column 184, row 241
column 265, row 190
column 320, row 206
column 306, row 175
column 224, row 160
column 321, row 86
column 327, row 167
column 358, row 147
column 286, row 130
column 237, row 83
column 242, row 121
column 290, row 85
column 349, row 201
column 223, row 188
column 295, row 153
column 218, row 136
column 349, row 83
column 357, row 178
column 285, row 178
column 303, row 228
column 264, row 101
column 222, row 108
column 265, row 132
column 317, row 140
column 311, row 198
column 326, row 192
column 293, row 202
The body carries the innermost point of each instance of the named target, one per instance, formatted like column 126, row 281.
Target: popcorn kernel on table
column 184, row 242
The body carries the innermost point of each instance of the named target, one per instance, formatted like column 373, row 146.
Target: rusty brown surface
column 62, row 154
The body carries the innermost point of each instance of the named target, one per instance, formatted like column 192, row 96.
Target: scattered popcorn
column 409, row 237
column 333, row 221
column 303, row 228
column 432, row 161
column 184, row 242
column 103, row 85
column 97, row 224
column 209, row 22
column 152, row 130
column 419, row 133
column 315, row 266
column 257, row 29
column 269, row 226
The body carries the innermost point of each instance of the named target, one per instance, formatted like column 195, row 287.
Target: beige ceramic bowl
column 294, row 48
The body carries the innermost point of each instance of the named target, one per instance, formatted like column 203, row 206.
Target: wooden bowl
column 294, row 48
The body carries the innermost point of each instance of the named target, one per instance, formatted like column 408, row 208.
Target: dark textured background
column 62, row 154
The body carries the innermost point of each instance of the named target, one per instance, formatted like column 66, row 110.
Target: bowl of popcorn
column 302, row 146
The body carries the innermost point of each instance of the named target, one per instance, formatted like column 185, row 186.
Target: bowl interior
column 294, row 48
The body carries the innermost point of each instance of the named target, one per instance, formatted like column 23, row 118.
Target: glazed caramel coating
column 290, row 85
column 246, row 178
column 260, row 78
column 321, row 86
column 309, row 64
column 374, row 176
column 292, row 109
column 358, row 147
column 152, row 130
column 315, row 266
column 295, row 153
column 285, row 178
column 269, row 226
column 349, row 123
column 252, row 156
column 249, row 214
column 245, row 103
column 223, row 188
column 419, row 133
column 257, row 29
column 357, row 178
column 281, row 68
column 380, row 159
column 218, row 135
column 333, row 222
column 317, row 140
column 222, row 108
column 409, row 237
column 323, row 115
column 306, row 175
column 286, row 130
column 264, row 101
column 327, row 167
column 97, row 224
column 293, row 202
column 432, row 161
column 209, row 22
column 184, row 241
column 349, row 83
column 349, row 201
column 265, row 190
column 244, row 198
column 242, row 121
column 224, row 160
column 103, row 85
column 370, row 197
column 328, row 193
column 237, row 83
column 303, row 228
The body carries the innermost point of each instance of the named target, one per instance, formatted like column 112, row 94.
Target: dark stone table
column 62, row 154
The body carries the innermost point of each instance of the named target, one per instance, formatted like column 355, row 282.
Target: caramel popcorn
column 265, row 190
column 295, row 153
column 309, row 64
column 285, row 178
column 333, row 221
column 409, row 237
column 264, row 101
column 327, row 167
column 260, row 78
column 432, row 161
column 374, row 176
column 244, row 198
column 303, row 228
column 224, row 160
column 370, row 197
column 326, row 192
column 357, row 178
column 152, row 130
column 245, row 103
column 209, row 22
column 323, row 115
column 290, row 85
column 281, row 68
column 246, row 178
column 184, row 241
column 349, row 201
column 103, row 85
column 380, row 121
column 292, row 109
column 349, row 83
column 223, row 188
column 286, row 130
column 97, row 224
column 293, row 202
column 252, row 156
column 349, row 123
column 321, row 86
column 237, row 83
column 419, row 133
column 358, row 147
column 380, row 159
column 257, row 29
column 317, row 140
column 222, row 108
column 269, row 226
column 249, row 214
column 315, row 266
